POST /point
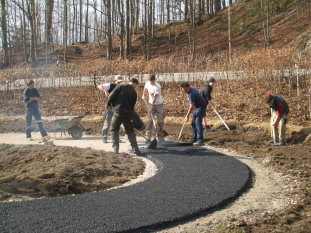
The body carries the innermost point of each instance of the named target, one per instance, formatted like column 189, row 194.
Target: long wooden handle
column 182, row 128
column 221, row 118
column 153, row 121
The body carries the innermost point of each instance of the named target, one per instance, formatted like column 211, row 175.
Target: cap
column 212, row 80
column 118, row 79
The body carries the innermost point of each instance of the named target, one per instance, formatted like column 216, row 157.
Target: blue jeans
column 197, row 128
column 107, row 123
column 33, row 112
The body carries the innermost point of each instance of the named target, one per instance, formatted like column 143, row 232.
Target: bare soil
column 35, row 171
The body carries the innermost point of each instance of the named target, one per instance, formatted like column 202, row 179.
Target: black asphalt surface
column 190, row 182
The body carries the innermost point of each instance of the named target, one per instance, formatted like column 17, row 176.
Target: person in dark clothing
column 206, row 92
column 122, row 100
column 31, row 97
column 107, row 88
column 197, row 105
column 279, row 117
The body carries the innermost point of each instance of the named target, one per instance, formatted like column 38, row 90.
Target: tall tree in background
column 186, row 10
column 217, row 6
column 128, row 31
column 122, row 30
column 86, row 30
column 229, row 32
column 81, row 18
column 65, row 32
column 49, row 4
column 265, row 17
column 4, row 33
column 31, row 15
column 109, row 33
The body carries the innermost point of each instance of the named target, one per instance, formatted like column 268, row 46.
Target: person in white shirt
column 107, row 88
column 155, row 107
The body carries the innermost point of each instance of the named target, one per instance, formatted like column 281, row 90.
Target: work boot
column 105, row 140
column 198, row 143
column 136, row 151
column 116, row 149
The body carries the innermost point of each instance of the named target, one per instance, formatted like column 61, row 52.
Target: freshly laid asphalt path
column 190, row 182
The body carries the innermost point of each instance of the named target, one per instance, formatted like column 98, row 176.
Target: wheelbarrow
column 71, row 125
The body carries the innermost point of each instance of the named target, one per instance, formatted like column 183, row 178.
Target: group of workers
column 121, row 101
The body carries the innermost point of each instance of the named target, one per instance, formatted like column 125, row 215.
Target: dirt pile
column 35, row 171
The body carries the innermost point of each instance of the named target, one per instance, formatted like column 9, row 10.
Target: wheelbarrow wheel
column 75, row 132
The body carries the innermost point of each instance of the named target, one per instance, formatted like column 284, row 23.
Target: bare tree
column 186, row 10
column 81, row 18
column 65, row 31
column 229, row 32
column 4, row 33
column 265, row 17
column 49, row 5
column 86, row 30
column 122, row 30
column 109, row 34
column 128, row 31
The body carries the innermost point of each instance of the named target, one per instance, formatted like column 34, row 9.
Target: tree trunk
column 207, row 7
column 49, row 4
column 217, row 4
column 4, row 33
column 137, row 16
column 186, row 10
column 150, row 18
column 86, row 33
column 24, row 34
column 128, row 31
column 81, row 15
column 229, row 33
column 121, row 36
column 31, row 17
column 65, row 32
column 109, row 36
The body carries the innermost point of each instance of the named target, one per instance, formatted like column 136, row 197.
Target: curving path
column 190, row 181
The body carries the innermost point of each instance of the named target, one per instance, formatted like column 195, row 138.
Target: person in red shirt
column 279, row 117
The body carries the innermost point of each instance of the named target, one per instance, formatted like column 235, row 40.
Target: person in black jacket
column 122, row 100
column 107, row 88
column 31, row 97
column 206, row 92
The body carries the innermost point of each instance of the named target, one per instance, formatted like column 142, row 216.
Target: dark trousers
column 33, row 112
column 197, row 129
column 117, row 120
